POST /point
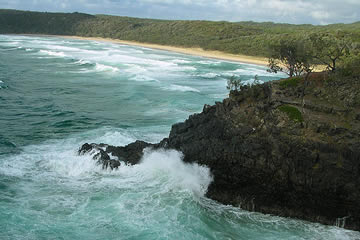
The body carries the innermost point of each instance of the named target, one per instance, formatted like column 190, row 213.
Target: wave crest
column 169, row 163
column 105, row 68
column 180, row 88
column 52, row 53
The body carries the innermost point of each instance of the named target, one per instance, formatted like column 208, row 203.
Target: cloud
column 287, row 11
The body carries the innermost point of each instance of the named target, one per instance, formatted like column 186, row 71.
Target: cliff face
column 274, row 151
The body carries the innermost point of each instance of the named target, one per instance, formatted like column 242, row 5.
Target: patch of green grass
column 290, row 82
column 292, row 112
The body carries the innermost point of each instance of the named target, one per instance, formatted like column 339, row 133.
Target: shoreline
column 261, row 61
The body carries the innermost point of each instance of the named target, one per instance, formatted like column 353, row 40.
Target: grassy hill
column 248, row 38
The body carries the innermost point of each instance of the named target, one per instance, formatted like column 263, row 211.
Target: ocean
column 58, row 93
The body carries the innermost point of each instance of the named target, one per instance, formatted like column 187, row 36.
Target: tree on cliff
column 329, row 49
column 291, row 56
column 295, row 58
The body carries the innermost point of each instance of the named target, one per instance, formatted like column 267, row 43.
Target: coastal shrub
column 256, row 80
column 330, row 49
column 292, row 112
column 234, row 83
column 290, row 82
column 350, row 66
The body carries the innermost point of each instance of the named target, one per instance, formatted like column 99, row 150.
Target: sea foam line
column 82, row 62
column 51, row 53
column 180, row 88
column 209, row 75
column 105, row 68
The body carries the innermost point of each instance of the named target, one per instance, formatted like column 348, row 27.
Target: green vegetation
column 299, row 56
column 248, row 38
column 13, row 21
column 291, row 56
column 329, row 49
column 290, row 82
column 234, row 84
column 292, row 112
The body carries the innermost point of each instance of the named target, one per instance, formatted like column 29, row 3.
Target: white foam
column 41, row 42
column 209, row 75
column 105, row 68
column 209, row 62
column 108, row 57
column 68, row 163
column 28, row 49
column 140, row 73
column 115, row 137
column 12, row 43
column 182, row 61
column 51, row 53
column 144, row 78
column 63, row 48
column 188, row 68
column 1, row 81
column 82, row 62
column 174, row 87
column 115, row 51
column 142, row 61
column 251, row 82
column 194, row 177
column 134, row 68
column 59, row 157
column 57, row 160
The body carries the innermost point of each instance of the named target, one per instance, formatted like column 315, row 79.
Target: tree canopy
column 291, row 56
column 330, row 49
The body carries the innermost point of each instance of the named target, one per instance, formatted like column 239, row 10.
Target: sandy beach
column 191, row 51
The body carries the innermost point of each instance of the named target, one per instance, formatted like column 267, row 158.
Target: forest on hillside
column 248, row 38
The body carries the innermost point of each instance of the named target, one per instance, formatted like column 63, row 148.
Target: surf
column 87, row 91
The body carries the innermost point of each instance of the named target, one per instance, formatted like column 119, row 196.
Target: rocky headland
column 285, row 148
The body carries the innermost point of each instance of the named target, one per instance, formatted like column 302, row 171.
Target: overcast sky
column 285, row 11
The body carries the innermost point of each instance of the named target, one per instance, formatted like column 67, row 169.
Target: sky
column 280, row 11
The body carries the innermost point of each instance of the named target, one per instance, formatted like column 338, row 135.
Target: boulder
column 99, row 155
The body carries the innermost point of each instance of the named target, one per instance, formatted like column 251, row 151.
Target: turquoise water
column 57, row 93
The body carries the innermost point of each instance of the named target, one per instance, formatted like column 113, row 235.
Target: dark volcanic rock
column 101, row 156
column 85, row 148
column 262, row 160
column 130, row 154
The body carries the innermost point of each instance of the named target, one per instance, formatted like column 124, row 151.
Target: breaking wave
column 105, row 68
column 175, row 87
column 52, row 53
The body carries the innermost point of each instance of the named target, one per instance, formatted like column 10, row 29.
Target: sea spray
column 179, row 174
